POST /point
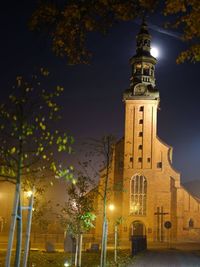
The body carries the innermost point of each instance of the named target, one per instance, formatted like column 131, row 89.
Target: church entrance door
column 138, row 229
column 138, row 237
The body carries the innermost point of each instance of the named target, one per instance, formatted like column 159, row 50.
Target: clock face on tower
column 140, row 89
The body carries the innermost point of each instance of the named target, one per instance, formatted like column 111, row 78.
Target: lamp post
column 115, row 249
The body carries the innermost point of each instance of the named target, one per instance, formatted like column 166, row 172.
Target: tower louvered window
column 138, row 195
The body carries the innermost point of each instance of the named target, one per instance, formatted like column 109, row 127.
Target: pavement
column 167, row 258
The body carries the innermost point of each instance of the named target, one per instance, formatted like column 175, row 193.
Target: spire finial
column 144, row 16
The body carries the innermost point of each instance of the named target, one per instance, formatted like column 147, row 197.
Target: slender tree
column 77, row 215
column 29, row 142
column 103, row 150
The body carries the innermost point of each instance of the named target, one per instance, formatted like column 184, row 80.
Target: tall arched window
column 138, row 195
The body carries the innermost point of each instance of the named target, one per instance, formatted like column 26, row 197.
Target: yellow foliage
column 42, row 126
column 13, row 150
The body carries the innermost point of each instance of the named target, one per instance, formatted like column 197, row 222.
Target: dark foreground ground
column 185, row 256
column 57, row 259
column 167, row 258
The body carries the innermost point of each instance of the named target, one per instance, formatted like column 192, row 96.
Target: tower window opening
column 146, row 70
column 140, row 121
column 147, row 42
column 138, row 69
column 140, row 147
column 141, row 108
column 148, row 159
column 139, row 159
column 138, row 195
column 140, row 134
column 131, row 159
column 159, row 165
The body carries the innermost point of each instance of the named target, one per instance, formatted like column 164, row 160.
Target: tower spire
column 143, row 67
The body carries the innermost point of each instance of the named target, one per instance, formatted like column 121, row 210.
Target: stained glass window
column 138, row 195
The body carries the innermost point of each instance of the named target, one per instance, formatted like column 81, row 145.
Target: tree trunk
column 19, row 208
column 12, row 226
column 104, row 243
column 105, row 222
column 116, row 236
column 19, row 235
column 80, row 249
column 28, row 229
column 76, row 253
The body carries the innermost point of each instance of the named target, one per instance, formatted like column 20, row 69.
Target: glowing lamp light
column 66, row 264
column 111, row 207
column 74, row 181
column 154, row 52
column 29, row 193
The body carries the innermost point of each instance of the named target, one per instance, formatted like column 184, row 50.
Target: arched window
column 146, row 70
column 138, row 195
column 138, row 69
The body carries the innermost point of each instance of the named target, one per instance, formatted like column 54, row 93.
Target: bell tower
column 143, row 64
column 141, row 103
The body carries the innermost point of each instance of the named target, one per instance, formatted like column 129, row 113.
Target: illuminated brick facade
column 146, row 190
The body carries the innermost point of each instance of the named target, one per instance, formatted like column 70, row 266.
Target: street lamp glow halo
column 29, row 193
column 154, row 51
column 66, row 264
column 111, row 207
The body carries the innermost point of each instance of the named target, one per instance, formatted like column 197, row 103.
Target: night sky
column 93, row 93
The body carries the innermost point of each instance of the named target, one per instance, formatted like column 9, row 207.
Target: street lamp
column 111, row 207
column 28, row 193
column 66, row 264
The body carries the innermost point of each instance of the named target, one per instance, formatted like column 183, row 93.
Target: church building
column 151, row 200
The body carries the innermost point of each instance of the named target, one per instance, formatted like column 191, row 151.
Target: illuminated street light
column 111, row 207
column 28, row 193
column 66, row 264
column 74, row 181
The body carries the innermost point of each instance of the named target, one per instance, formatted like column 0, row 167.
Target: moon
column 154, row 52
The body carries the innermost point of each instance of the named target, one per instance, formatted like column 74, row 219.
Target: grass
column 57, row 259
